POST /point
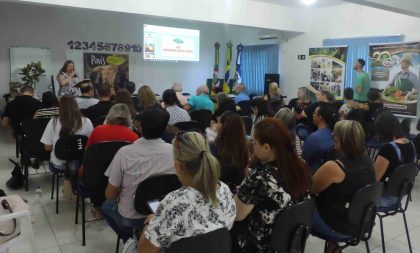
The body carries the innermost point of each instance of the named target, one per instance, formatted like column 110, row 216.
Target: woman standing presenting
column 67, row 79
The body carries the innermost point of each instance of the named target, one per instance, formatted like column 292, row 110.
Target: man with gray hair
column 177, row 87
column 201, row 101
column 240, row 93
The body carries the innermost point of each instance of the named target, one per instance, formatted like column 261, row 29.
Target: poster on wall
column 106, row 68
column 328, row 66
column 395, row 69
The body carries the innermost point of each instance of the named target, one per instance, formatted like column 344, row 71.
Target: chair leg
column 17, row 148
column 406, row 231
column 367, row 246
column 83, row 222
column 56, row 191
column 53, row 183
column 76, row 221
column 26, row 175
column 118, row 244
column 382, row 235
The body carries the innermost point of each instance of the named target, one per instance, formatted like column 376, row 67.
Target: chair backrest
column 203, row 117
column 95, row 162
column 215, row 241
column 416, row 142
column 155, row 187
column 71, row 147
column 252, row 95
column 362, row 211
column 246, row 108
column 401, row 180
column 275, row 105
column 247, row 120
column 187, row 125
column 292, row 227
column 33, row 131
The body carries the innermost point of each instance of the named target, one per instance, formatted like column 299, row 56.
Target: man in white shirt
column 86, row 99
column 146, row 157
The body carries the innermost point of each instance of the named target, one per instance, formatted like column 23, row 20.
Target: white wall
column 53, row 27
column 342, row 21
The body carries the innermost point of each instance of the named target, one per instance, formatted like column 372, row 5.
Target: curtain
column 358, row 48
column 256, row 62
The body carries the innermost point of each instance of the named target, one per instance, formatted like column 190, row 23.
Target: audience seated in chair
column 307, row 113
column 201, row 101
column 301, row 102
column 320, row 141
column 349, row 103
column 397, row 150
column 86, row 100
column 96, row 113
column 174, row 108
column 337, row 181
column 260, row 110
column 231, row 148
column 22, row 108
column 276, row 180
column 132, row 164
column 124, row 97
column 178, row 217
column 69, row 122
column 177, row 87
column 147, row 99
column 240, row 93
column 288, row 118
column 49, row 106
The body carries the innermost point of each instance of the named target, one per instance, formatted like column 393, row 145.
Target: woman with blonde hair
column 212, row 207
column 337, row 181
column 147, row 99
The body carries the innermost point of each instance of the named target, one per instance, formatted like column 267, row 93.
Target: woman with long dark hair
column 231, row 148
column 277, row 179
column 67, row 79
column 70, row 121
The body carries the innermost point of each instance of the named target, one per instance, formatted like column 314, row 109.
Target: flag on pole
column 227, row 68
column 237, row 77
column 215, row 83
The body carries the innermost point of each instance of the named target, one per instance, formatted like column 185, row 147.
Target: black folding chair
column 246, row 108
column 32, row 146
column 215, row 241
column 275, row 105
column 68, row 148
column 247, row 120
column 400, row 184
column 292, row 227
column 152, row 188
column 187, row 125
column 93, row 182
column 361, row 217
column 203, row 117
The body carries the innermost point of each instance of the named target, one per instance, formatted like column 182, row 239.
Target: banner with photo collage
column 395, row 69
column 328, row 65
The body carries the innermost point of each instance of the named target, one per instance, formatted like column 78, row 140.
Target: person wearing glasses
column 203, row 203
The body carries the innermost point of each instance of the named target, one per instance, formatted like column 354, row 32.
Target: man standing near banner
column 363, row 82
column 405, row 80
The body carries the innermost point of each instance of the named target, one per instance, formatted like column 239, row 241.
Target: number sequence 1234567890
column 101, row 46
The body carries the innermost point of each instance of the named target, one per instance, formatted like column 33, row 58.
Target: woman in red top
column 116, row 127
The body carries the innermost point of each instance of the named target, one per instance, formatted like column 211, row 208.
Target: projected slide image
column 171, row 44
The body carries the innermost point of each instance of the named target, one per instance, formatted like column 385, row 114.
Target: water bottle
column 38, row 195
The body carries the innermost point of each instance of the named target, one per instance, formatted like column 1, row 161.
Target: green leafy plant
column 31, row 73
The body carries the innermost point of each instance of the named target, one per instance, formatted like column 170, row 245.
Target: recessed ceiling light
column 308, row 2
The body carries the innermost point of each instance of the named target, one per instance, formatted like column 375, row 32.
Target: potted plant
column 31, row 73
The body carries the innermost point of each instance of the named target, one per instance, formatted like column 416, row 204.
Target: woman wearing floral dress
column 278, row 179
column 202, row 205
column 67, row 79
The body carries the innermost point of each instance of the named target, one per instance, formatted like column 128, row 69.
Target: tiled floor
column 57, row 233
